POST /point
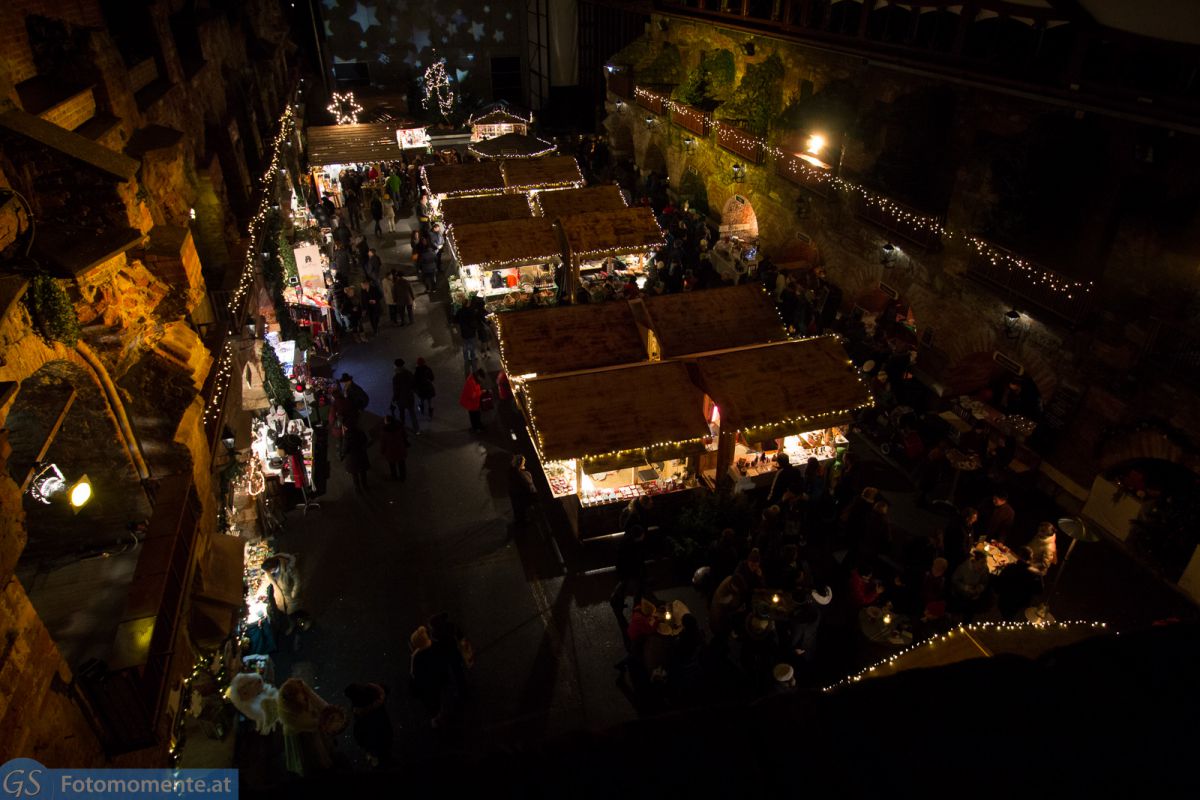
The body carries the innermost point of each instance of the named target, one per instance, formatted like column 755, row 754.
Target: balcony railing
column 740, row 142
column 652, row 99
column 691, row 118
column 918, row 227
column 796, row 169
column 1015, row 278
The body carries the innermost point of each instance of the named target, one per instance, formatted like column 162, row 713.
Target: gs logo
column 20, row 778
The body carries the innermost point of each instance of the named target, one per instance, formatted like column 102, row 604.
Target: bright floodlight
column 80, row 493
column 815, row 144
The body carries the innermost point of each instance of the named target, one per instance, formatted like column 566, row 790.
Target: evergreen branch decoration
column 52, row 310
column 275, row 382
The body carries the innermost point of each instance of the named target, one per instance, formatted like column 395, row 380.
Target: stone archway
column 738, row 218
column 620, row 138
column 654, row 160
column 693, row 190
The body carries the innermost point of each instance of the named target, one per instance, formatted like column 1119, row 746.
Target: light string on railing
column 963, row 628
column 220, row 383
column 246, row 280
column 730, row 136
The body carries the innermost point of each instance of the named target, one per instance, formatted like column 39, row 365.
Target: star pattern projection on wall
column 397, row 37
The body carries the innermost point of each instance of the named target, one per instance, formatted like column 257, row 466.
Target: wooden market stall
column 792, row 396
column 486, row 208
column 509, row 263
column 461, row 180
column 511, row 145
column 715, row 319
column 568, row 338
column 568, row 202
column 606, row 436
column 550, row 172
column 623, row 240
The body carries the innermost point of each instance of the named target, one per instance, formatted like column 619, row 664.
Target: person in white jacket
column 1044, row 548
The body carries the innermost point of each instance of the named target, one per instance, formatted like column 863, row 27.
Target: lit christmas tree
column 437, row 89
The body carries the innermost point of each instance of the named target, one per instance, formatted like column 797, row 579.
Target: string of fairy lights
column 344, row 108
column 964, row 628
column 246, row 280
column 1039, row 276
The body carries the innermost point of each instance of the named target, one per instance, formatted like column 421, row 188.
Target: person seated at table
column 863, row 588
column 1000, row 521
column 726, row 553
column 933, row 590
column 1043, row 549
column 728, row 605
column 751, row 571
column 1016, row 585
column 958, row 536
column 970, row 583
column 643, row 623
column 782, row 568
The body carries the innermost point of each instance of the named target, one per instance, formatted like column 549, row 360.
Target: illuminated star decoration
column 384, row 58
column 498, row 36
column 345, row 108
column 420, row 39
column 458, row 17
column 477, row 30
column 365, row 16
column 437, row 87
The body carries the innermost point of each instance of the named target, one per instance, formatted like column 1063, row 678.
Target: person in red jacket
column 472, row 398
column 864, row 590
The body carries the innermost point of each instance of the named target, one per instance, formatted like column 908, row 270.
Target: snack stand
column 308, row 298
column 606, row 436
column 498, row 119
column 410, row 136
column 331, row 148
column 509, row 263
column 511, row 145
column 793, row 396
column 607, row 242
column 488, row 208
column 560, row 203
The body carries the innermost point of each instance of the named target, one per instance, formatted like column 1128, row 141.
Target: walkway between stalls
column 375, row 566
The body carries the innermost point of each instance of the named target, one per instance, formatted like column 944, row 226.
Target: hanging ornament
column 345, row 108
column 437, row 88
column 255, row 481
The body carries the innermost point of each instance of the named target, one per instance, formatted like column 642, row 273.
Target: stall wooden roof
column 511, row 145
column 784, row 385
column 536, row 173
column 550, row 341
column 715, row 319
column 486, row 208
column 612, row 233
column 654, row 406
column 447, row 180
column 499, row 113
column 505, row 243
column 351, row 144
column 568, row 202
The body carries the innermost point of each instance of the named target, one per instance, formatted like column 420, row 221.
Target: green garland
column 275, row 382
column 288, row 258
column 52, row 310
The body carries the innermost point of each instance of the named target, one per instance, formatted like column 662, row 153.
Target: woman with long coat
column 472, row 398
column 306, row 748
column 354, row 448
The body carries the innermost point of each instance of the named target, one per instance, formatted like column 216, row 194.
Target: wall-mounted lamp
column 620, row 105
column 739, row 172
column 815, row 144
column 889, row 254
column 748, row 48
column 649, row 122
column 1012, row 324
column 610, row 69
column 689, row 141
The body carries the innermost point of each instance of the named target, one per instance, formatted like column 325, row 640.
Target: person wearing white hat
column 785, row 679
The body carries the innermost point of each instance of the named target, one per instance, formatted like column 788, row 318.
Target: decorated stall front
column 794, row 397
column 550, row 172
column 715, row 319
column 511, row 145
column 604, row 243
column 607, row 436
column 561, row 203
column 333, row 148
column 498, row 119
column 461, row 180
column 488, row 208
column 511, row 264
